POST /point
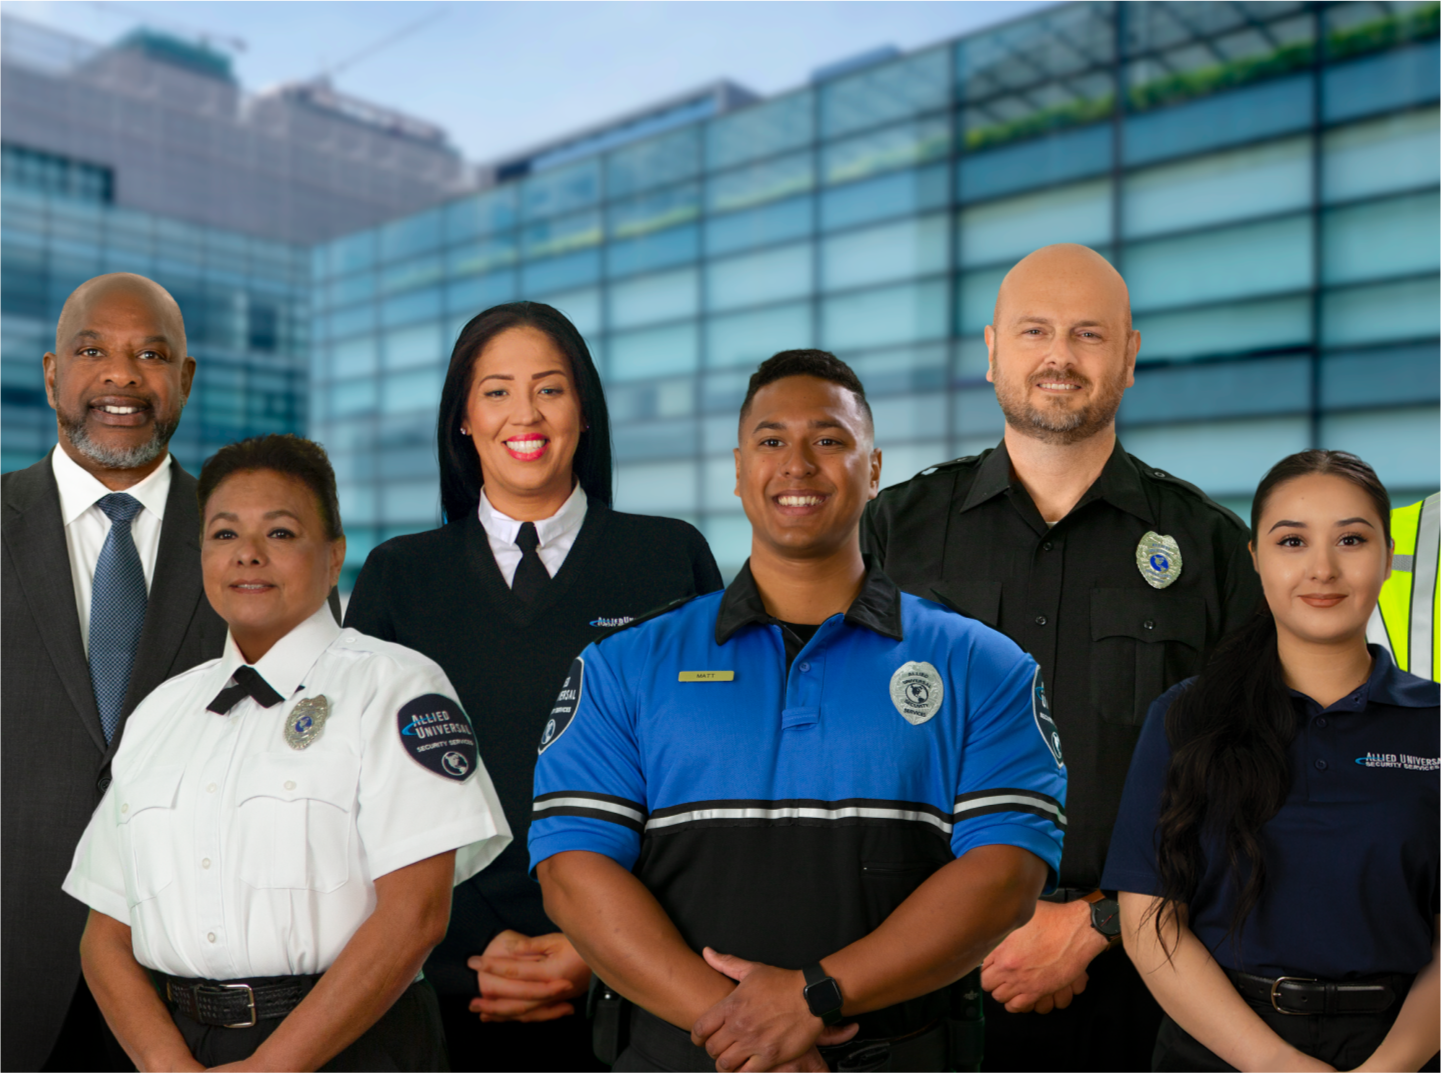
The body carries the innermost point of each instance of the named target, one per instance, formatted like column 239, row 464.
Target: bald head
column 1077, row 276
column 126, row 287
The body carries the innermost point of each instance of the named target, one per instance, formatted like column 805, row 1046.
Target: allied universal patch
column 707, row 676
column 565, row 705
column 917, row 692
column 438, row 736
column 1041, row 709
column 1159, row 559
column 306, row 721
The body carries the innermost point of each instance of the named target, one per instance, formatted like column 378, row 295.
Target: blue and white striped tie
column 117, row 611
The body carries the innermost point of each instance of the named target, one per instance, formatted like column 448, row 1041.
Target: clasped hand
column 765, row 1022
column 1042, row 966
column 528, row 979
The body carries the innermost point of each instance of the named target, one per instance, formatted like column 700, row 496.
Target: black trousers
column 560, row 1045
column 407, row 1037
column 1110, row 1026
column 1344, row 1041
column 85, row 1042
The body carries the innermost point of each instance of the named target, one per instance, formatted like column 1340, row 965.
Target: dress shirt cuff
column 99, row 898
column 475, row 840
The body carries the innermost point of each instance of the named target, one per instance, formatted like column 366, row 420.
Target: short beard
column 1055, row 426
column 141, row 454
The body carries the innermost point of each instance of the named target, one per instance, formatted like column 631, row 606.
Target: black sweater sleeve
column 369, row 607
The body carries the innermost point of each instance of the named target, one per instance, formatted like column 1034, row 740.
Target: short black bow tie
column 245, row 682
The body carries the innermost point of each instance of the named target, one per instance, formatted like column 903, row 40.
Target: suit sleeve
column 369, row 610
column 589, row 781
column 1012, row 787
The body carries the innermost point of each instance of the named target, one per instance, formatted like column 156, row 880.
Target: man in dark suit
column 102, row 602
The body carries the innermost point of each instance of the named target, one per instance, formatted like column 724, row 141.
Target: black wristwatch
column 1106, row 918
column 823, row 994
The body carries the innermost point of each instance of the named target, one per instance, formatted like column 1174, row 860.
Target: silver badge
column 917, row 692
column 306, row 721
column 1159, row 559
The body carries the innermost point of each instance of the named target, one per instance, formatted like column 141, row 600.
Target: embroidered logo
column 1402, row 761
column 606, row 623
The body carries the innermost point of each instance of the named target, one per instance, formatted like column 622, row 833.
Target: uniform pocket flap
column 155, row 789
column 330, row 777
column 1148, row 616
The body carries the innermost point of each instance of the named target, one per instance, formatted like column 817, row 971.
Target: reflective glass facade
column 245, row 302
column 1265, row 175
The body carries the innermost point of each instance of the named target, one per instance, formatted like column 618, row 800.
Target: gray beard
column 113, row 458
column 1058, row 426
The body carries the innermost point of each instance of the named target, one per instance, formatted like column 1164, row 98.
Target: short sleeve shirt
column 1351, row 857
column 779, row 814
column 232, row 850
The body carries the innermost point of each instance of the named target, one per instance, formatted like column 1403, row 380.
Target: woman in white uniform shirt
column 286, row 823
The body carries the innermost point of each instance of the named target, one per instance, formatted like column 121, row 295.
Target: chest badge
column 1158, row 558
column 306, row 721
column 917, row 692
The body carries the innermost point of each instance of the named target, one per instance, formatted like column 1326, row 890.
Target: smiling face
column 1062, row 351
column 524, row 418
column 267, row 563
column 119, row 375
column 805, row 467
column 1322, row 555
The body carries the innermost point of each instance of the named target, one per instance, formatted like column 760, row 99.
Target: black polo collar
column 1119, row 483
column 877, row 606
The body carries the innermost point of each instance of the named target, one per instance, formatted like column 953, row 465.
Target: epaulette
column 964, row 460
column 654, row 612
column 1195, row 490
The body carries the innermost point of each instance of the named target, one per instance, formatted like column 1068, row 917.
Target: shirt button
column 1040, row 620
column 1320, row 765
column 124, row 808
column 210, row 789
column 805, row 667
column 1149, row 624
column 1321, row 721
column 290, row 784
column 205, row 862
column 210, row 936
column 1046, row 546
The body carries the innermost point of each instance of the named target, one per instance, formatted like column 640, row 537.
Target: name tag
column 707, row 676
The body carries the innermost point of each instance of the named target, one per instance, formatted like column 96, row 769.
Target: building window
column 53, row 174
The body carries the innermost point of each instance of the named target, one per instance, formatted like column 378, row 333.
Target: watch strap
column 816, row 996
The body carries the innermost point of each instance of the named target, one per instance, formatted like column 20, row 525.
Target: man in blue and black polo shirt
column 806, row 799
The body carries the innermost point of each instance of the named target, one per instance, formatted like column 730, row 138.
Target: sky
column 502, row 77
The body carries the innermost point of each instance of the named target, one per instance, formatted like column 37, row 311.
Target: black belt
column 1306, row 995
column 237, row 1003
column 670, row 1048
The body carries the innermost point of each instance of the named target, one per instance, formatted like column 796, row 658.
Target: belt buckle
column 1275, row 993
column 250, row 994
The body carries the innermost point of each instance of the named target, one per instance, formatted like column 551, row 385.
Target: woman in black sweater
column 531, row 566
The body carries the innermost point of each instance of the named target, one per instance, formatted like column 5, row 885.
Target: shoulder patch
column 565, row 705
column 438, row 736
column 1041, row 711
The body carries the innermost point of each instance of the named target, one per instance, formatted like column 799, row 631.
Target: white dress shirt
column 87, row 526
column 557, row 534
column 232, row 853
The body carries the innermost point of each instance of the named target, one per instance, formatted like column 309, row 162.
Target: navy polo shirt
column 778, row 813
column 1351, row 857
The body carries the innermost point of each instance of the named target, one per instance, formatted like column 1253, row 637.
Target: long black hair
column 1231, row 730
column 460, row 476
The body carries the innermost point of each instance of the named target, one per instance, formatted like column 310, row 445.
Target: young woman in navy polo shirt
column 1277, row 845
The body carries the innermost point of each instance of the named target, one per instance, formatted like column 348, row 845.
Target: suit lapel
column 35, row 540
column 175, row 589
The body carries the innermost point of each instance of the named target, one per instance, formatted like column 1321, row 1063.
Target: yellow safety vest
column 1405, row 618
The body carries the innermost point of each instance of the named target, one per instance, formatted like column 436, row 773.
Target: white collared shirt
column 232, row 853
column 557, row 534
column 87, row 526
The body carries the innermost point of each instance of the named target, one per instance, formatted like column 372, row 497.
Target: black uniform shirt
column 1073, row 596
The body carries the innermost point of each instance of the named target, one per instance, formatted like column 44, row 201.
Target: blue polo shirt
column 780, row 813
column 1351, row 857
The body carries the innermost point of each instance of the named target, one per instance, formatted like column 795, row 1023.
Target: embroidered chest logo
column 1401, row 761
column 306, row 721
column 608, row 623
column 917, row 692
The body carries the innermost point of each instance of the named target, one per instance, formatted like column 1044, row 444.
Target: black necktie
column 531, row 575
column 245, row 682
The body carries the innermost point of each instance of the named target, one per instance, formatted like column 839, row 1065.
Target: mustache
column 143, row 402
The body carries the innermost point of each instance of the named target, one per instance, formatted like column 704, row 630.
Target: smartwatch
column 823, row 994
column 1106, row 918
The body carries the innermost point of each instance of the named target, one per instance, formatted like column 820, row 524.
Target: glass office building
column 1264, row 174
column 245, row 301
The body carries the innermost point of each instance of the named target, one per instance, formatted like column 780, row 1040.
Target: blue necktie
column 117, row 611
